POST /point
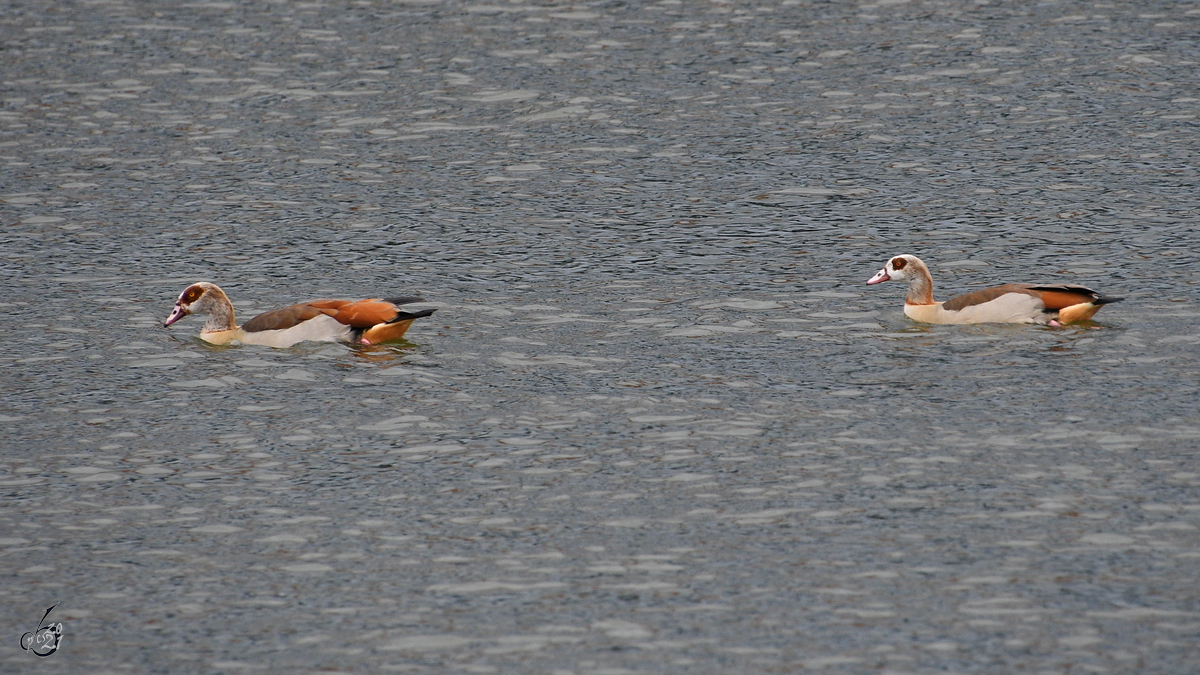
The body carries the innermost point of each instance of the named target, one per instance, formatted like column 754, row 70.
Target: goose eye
column 899, row 263
column 192, row 294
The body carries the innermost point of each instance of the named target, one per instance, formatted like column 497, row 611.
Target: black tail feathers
column 404, row 300
column 405, row 316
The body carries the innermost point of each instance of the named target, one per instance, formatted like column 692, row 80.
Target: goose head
column 900, row 268
column 204, row 298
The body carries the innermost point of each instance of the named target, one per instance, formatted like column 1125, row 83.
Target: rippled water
column 659, row 423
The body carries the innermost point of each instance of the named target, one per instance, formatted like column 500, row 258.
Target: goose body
column 1048, row 304
column 363, row 321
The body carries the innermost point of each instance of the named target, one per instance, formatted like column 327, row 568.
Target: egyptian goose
column 364, row 321
column 1050, row 304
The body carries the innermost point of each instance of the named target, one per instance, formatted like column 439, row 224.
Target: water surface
column 659, row 423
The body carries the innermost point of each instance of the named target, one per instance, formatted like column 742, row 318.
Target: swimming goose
column 364, row 321
column 1050, row 304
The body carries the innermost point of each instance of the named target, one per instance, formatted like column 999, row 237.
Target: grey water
column 658, row 423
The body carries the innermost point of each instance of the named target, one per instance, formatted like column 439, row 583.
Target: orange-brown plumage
column 1066, row 296
column 363, row 313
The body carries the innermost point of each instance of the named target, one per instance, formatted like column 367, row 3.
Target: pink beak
column 880, row 277
column 176, row 314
